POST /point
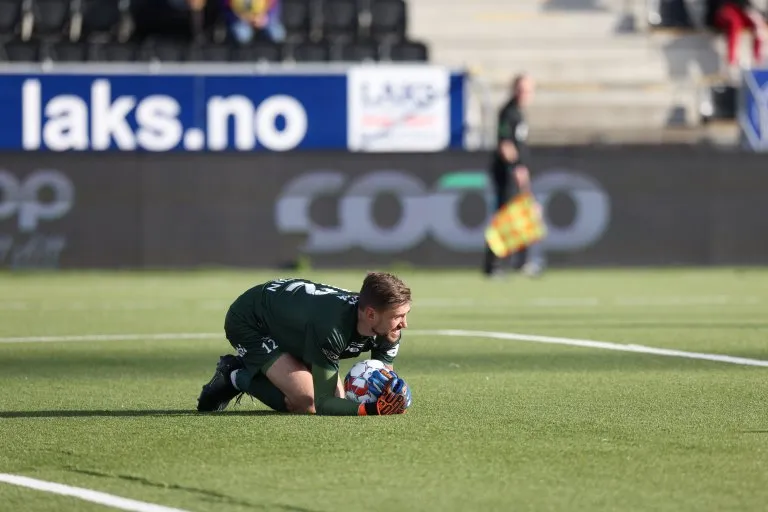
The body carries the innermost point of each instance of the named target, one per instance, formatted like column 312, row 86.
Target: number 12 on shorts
column 269, row 345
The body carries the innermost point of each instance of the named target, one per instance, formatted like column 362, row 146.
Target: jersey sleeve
column 507, row 125
column 323, row 351
column 326, row 404
column 512, row 128
column 385, row 351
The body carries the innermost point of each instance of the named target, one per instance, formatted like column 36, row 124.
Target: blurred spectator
column 195, row 8
column 733, row 16
column 248, row 18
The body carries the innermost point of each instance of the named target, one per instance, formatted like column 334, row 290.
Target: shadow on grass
column 207, row 495
column 122, row 413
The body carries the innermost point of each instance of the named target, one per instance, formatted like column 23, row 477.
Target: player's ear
column 370, row 314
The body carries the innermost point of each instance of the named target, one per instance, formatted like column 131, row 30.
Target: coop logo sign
column 29, row 203
column 427, row 212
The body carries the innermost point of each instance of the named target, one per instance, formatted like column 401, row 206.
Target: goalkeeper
column 290, row 334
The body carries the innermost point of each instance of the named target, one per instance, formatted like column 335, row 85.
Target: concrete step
column 545, row 5
column 599, row 116
column 619, row 72
column 595, row 42
column 469, row 20
column 604, row 108
column 550, row 64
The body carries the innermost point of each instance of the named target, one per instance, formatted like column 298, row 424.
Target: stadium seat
column 720, row 102
column 310, row 52
column 209, row 52
column 113, row 52
column 388, row 19
column 10, row 16
column 67, row 51
column 668, row 14
column 21, row 51
column 50, row 17
column 165, row 50
column 260, row 51
column 409, row 51
column 296, row 19
column 340, row 20
column 356, row 51
column 100, row 18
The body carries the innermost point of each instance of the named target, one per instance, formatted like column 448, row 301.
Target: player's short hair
column 382, row 290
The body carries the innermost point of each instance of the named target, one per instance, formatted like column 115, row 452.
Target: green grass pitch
column 495, row 424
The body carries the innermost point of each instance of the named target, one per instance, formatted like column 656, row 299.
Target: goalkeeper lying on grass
column 290, row 334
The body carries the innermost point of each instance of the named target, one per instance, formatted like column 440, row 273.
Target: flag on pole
column 516, row 225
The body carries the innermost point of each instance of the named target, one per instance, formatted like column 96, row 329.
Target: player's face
column 390, row 322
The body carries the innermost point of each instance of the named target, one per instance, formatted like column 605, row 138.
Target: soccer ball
column 356, row 381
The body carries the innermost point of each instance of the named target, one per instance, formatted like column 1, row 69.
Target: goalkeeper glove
column 394, row 399
column 379, row 379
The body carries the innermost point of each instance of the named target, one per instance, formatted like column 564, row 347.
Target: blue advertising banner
column 753, row 113
column 363, row 108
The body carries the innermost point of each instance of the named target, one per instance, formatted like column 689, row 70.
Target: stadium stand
column 607, row 70
column 142, row 30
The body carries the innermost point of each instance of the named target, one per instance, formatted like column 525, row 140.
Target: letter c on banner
column 292, row 211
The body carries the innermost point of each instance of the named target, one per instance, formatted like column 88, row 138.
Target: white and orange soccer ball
column 356, row 381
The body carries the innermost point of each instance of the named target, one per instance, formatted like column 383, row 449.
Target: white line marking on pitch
column 115, row 337
column 601, row 345
column 85, row 494
column 604, row 345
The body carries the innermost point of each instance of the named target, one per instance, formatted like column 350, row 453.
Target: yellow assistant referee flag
column 518, row 224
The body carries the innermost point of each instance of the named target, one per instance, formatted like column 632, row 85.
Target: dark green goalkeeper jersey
column 315, row 323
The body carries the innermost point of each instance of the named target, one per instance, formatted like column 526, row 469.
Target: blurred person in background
column 732, row 17
column 509, row 168
column 193, row 8
column 247, row 19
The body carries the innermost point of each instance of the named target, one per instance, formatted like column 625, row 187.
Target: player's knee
column 300, row 404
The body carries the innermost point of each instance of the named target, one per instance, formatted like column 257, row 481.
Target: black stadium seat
column 50, row 17
column 357, row 51
column 209, row 52
column 260, row 51
column 388, row 19
column 113, row 52
column 409, row 51
column 310, row 52
column 10, row 16
column 100, row 17
column 21, row 51
column 165, row 50
column 340, row 19
column 295, row 16
column 67, row 51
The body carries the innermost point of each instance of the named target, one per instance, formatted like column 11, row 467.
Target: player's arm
column 514, row 149
column 326, row 386
column 323, row 352
column 325, row 379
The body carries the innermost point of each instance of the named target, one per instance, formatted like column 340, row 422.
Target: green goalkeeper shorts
column 257, row 349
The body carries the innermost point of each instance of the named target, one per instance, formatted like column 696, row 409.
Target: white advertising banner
column 398, row 108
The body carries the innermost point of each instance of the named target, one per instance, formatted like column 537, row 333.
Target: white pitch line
column 85, row 494
column 115, row 337
column 604, row 345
